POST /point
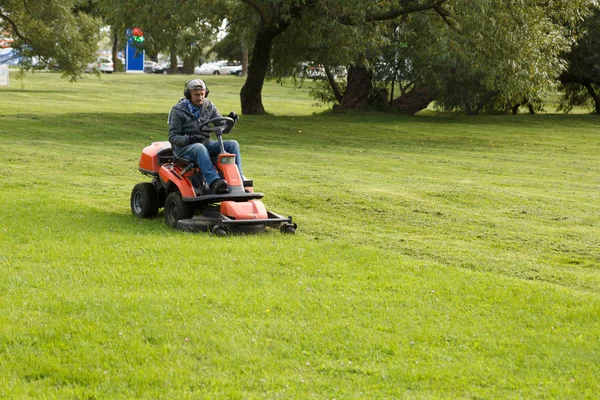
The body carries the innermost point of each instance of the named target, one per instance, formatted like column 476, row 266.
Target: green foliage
column 55, row 34
column 494, row 54
column 436, row 256
column 574, row 94
column 486, row 56
column 318, row 39
column 179, row 28
column 229, row 48
column 322, row 94
column 584, row 67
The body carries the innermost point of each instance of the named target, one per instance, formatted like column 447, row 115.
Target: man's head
column 195, row 91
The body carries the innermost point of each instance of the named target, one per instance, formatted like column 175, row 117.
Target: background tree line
column 489, row 56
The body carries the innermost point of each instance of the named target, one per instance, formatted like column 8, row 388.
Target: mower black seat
column 183, row 162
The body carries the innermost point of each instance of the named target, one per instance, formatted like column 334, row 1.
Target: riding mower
column 189, row 204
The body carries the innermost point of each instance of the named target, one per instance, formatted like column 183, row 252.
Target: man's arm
column 176, row 136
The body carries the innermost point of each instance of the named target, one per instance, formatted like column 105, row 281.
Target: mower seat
column 184, row 162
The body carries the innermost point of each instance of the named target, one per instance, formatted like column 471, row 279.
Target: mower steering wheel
column 218, row 129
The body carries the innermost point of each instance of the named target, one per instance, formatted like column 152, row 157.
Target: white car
column 216, row 68
column 150, row 66
column 237, row 71
column 102, row 64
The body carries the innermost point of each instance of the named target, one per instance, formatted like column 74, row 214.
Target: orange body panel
column 230, row 171
column 253, row 209
column 170, row 173
column 149, row 160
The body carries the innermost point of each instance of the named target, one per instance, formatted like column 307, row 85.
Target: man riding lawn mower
column 192, row 174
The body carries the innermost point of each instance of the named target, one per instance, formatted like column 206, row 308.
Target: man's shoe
column 219, row 186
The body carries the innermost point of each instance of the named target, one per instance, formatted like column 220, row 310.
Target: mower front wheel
column 218, row 230
column 144, row 200
column 288, row 229
column 175, row 209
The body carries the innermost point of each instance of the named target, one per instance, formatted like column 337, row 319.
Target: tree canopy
column 483, row 56
column 52, row 33
column 179, row 28
column 273, row 18
column 581, row 81
column 490, row 55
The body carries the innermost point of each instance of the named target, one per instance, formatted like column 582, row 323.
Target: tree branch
column 260, row 10
column 15, row 29
column 333, row 84
column 435, row 5
column 594, row 96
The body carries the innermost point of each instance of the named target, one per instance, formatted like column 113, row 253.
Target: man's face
column 197, row 96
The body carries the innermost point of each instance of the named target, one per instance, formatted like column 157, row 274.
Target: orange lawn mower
column 178, row 186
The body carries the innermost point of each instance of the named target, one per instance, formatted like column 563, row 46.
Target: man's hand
column 194, row 139
column 233, row 116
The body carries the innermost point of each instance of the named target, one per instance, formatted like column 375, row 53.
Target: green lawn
column 436, row 256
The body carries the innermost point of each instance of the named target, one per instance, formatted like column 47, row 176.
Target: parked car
column 166, row 69
column 316, row 71
column 102, row 64
column 217, row 68
column 341, row 71
column 160, row 69
column 149, row 66
column 235, row 71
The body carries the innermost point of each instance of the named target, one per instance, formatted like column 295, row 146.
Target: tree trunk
column 333, row 84
column 414, row 101
column 594, row 95
column 173, row 61
column 188, row 66
column 515, row 109
column 118, row 65
column 358, row 89
column 571, row 78
column 251, row 93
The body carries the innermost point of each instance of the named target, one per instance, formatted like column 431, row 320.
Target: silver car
column 102, row 64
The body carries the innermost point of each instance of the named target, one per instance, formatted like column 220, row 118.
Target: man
column 190, row 142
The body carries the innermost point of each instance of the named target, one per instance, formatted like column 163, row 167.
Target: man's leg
column 200, row 153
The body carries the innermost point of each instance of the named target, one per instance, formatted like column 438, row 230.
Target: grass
column 436, row 256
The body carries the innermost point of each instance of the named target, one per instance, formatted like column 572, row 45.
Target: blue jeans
column 202, row 153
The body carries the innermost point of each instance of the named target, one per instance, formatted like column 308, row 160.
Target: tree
column 56, row 33
column 274, row 18
column 500, row 54
column 484, row 56
column 179, row 28
column 581, row 81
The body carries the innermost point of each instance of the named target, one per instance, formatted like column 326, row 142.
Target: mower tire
column 144, row 200
column 175, row 209
column 218, row 231
column 289, row 229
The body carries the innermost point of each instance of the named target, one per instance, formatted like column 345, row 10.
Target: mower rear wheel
column 144, row 200
column 175, row 209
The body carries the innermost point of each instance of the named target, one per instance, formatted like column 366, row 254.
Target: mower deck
column 215, row 221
